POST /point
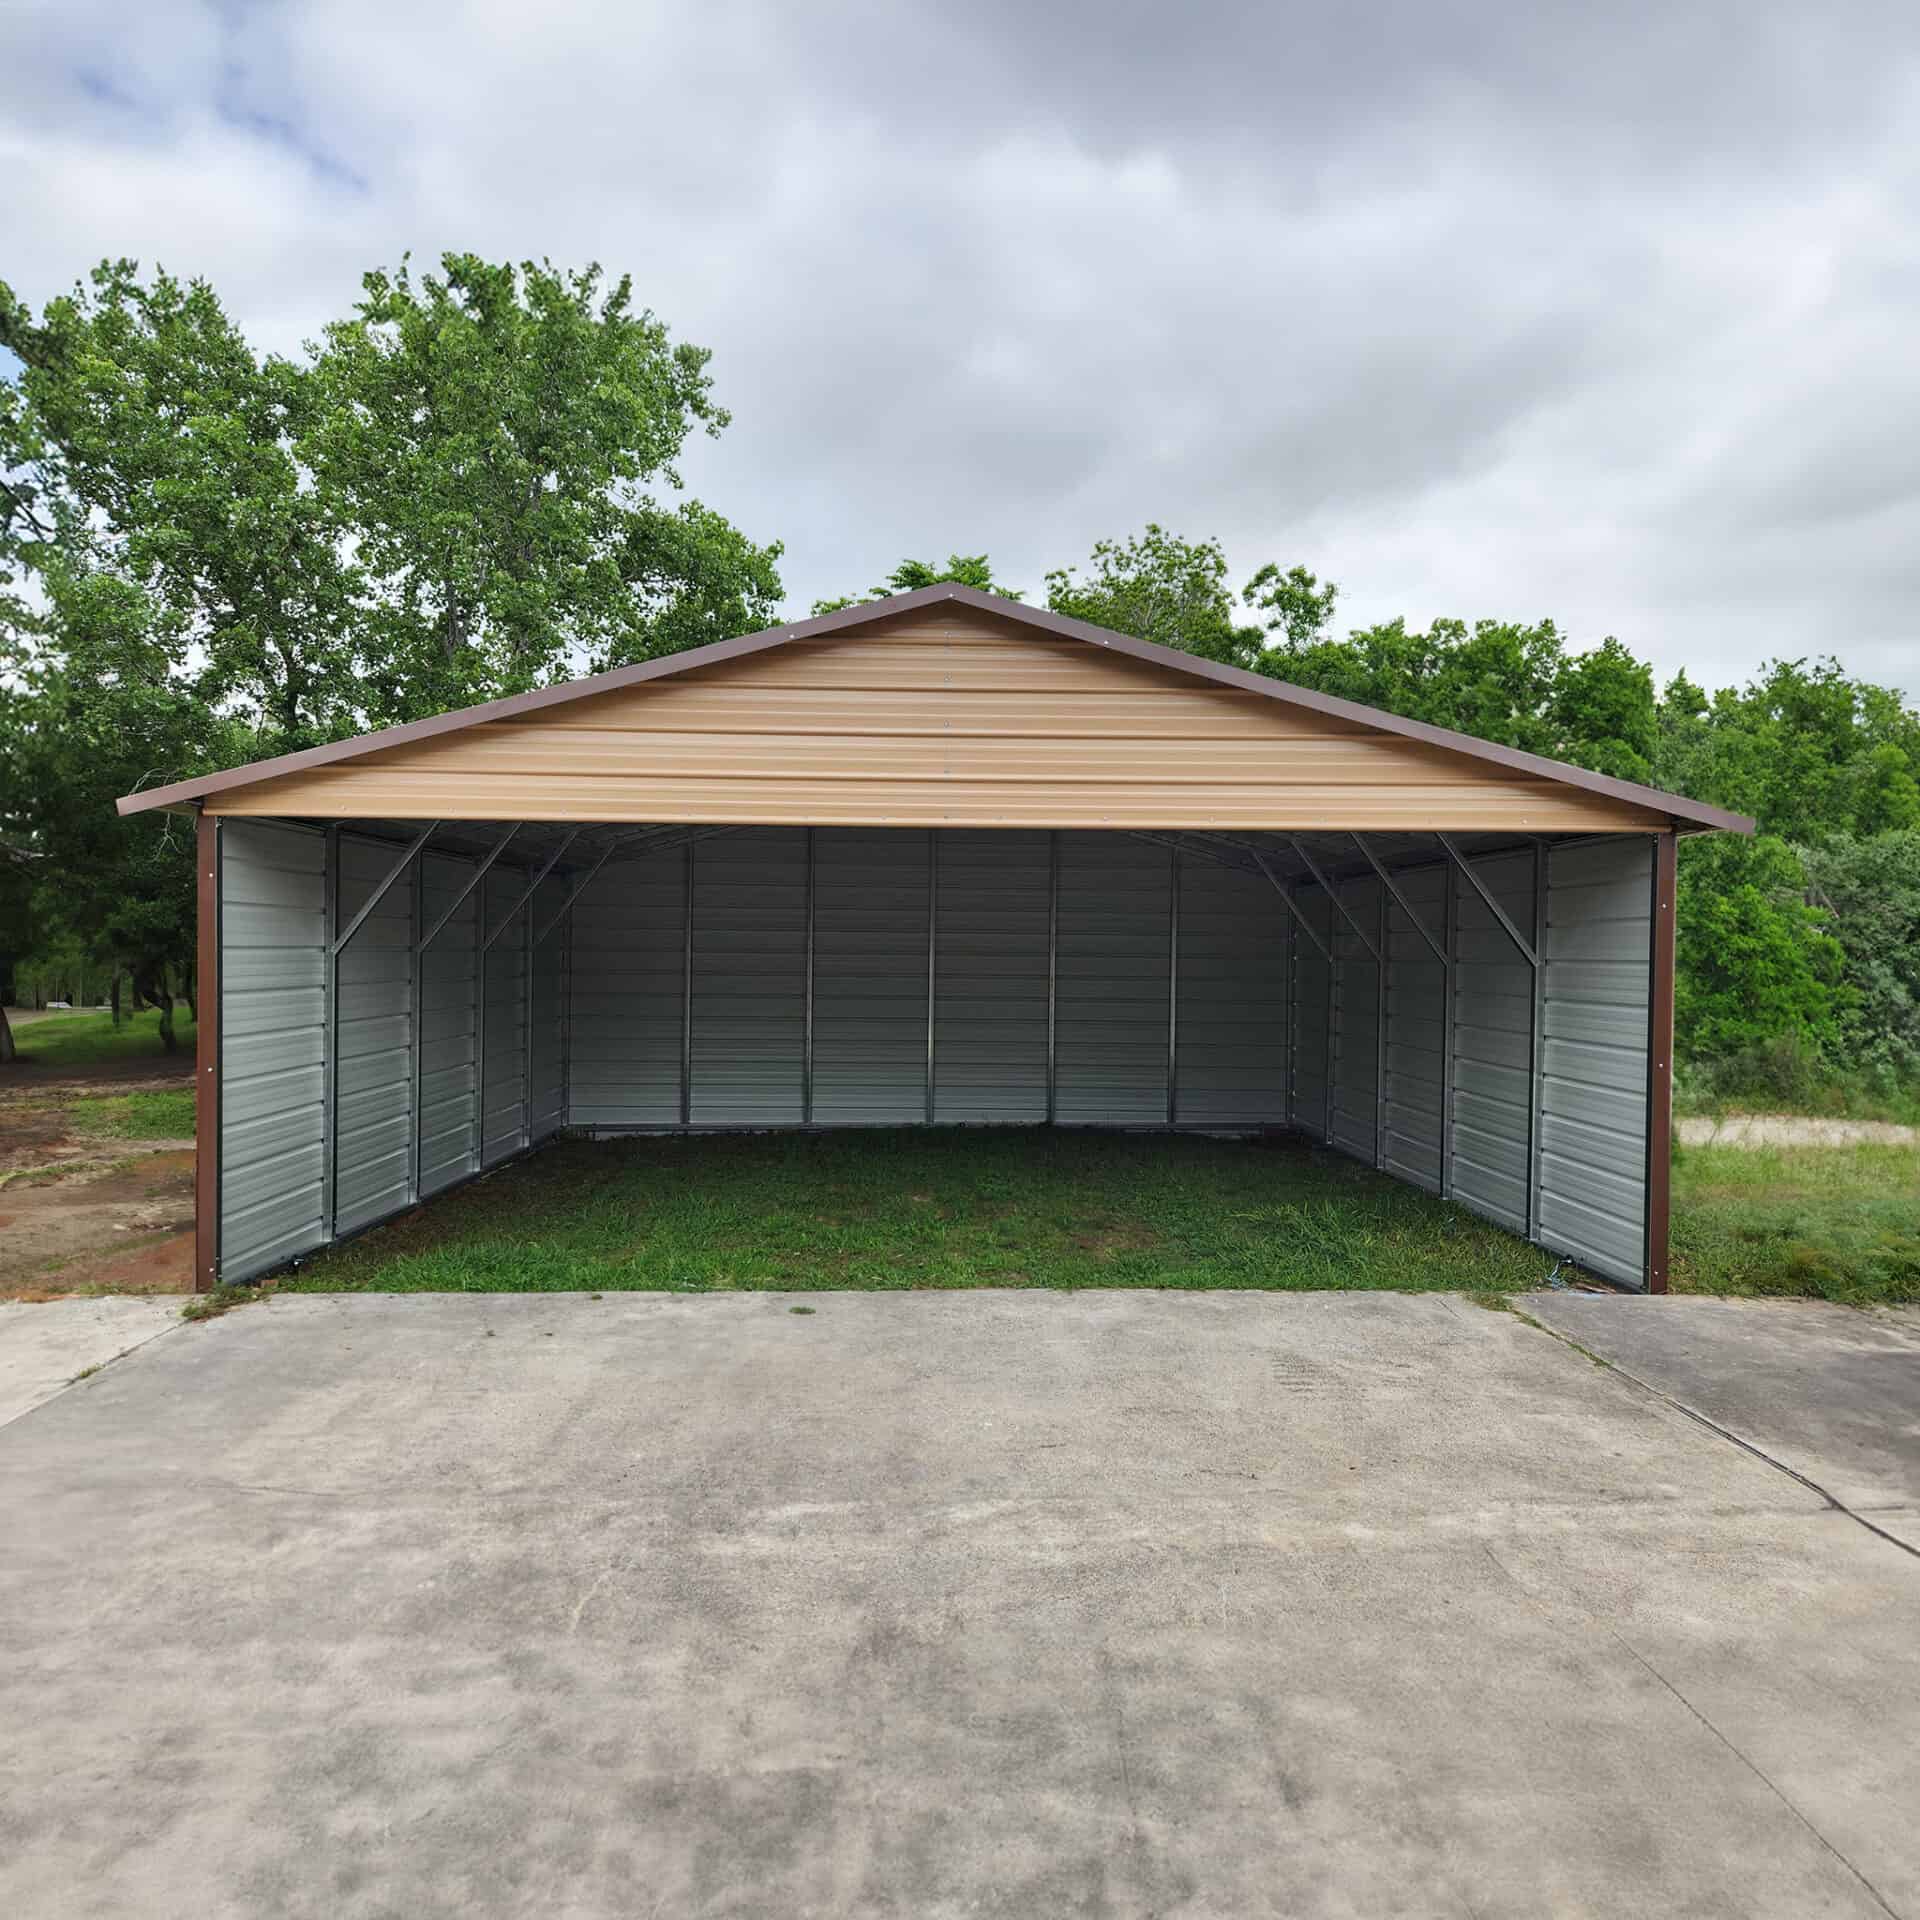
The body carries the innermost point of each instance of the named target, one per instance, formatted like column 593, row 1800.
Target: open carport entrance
column 938, row 860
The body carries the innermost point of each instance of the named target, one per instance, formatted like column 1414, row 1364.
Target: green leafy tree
column 1159, row 587
column 1755, row 962
column 99, row 717
column 964, row 569
column 1870, row 891
column 1298, row 608
column 487, row 436
column 148, row 440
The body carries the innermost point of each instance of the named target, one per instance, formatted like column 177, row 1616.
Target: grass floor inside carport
column 988, row 1208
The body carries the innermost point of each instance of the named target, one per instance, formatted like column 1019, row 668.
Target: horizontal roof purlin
column 1683, row 812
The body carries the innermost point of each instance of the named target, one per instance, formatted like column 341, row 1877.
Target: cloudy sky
column 1609, row 312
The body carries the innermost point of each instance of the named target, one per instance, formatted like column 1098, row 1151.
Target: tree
column 145, row 437
column 82, row 725
column 486, row 437
column 1159, row 587
column 1870, row 891
column 1755, row 962
column 1298, row 608
column 964, row 569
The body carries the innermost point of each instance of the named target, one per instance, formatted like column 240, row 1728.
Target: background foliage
column 465, row 488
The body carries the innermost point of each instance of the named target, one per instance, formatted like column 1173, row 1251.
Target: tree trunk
column 154, row 990
column 6, row 1040
column 116, row 999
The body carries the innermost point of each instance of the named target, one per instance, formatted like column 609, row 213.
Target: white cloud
column 1603, row 313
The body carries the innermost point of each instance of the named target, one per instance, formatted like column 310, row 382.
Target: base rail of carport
column 1339, row 926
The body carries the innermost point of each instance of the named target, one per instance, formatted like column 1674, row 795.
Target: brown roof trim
column 515, row 706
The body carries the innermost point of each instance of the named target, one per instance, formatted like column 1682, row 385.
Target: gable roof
column 1688, row 815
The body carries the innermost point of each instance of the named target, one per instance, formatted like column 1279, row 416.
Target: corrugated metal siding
column 990, row 993
column 549, row 1100
column 1111, row 995
column 1356, row 1021
column 373, row 1119
column 749, row 978
column 503, row 1080
column 1312, row 1017
column 937, row 718
column 449, row 1135
column 629, row 994
column 1416, row 1030
column 1493, row 1024
column 1593, row 1195
column 1232, row 1028
column 870, row 908
column 272, row 1046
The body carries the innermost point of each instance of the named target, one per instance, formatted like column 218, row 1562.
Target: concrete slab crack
column 1759, row 1773
column 1726, row 1433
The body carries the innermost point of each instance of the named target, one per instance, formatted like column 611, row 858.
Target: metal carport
column 939, row 859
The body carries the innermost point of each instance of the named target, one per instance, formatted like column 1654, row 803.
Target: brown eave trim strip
column 206, row 1056
column 1058, row 625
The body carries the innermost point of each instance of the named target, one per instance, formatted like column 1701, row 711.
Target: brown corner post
column 206, row 1062
column 1660, row 1062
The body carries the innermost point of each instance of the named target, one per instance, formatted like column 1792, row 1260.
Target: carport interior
column 405, row 1004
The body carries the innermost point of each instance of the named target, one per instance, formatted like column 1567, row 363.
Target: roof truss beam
column 380, row 892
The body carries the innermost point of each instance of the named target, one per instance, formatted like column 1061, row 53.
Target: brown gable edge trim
column 1693, row 813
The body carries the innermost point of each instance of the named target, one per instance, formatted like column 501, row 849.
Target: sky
column 1608, row 313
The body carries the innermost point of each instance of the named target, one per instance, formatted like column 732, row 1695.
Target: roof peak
column 1042, row 621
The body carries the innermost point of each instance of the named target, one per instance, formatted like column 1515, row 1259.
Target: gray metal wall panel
column 1312, row 1016
column 1593, row 1139
column 1493, row 1024
column 629, row 981
column 449, row 1133
column 1232, row 1028
column 870, row 919
column 1416, row 1039
column 272, row 1047
column 373, row 1079
column 549, row 1098
column 749, row 981
column 1112, row 981
column 1356, row 1023
column 990, row 993
column 504, row 1080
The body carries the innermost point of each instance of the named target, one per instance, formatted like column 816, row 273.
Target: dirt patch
column 1790, row 1130
column 122, row 1225
column 1124, row 1237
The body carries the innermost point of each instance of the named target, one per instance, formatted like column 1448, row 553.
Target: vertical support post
column 1380, row 1034
column 526, row 1021
column 1173, row 988
column 933, row 954
column 1446, row 1033
column 1537, row 1039
column 1292, row 963
column 1334, row 1002
column 686, row 992
column 1053, row 975
column 566, row 1015
column 1660, row 1059
column 480, row 1025
column 806, row 1040
column 206, row 1053
column 330, row 1032
column 416, row 1003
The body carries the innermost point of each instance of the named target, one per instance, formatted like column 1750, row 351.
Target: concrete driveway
column 936, row 1604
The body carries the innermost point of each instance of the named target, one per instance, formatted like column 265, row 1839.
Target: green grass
column 163, row 1115
column 906, row 1209
column 85, row 1039
column 1833, row 1223
column 1033, row 1209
